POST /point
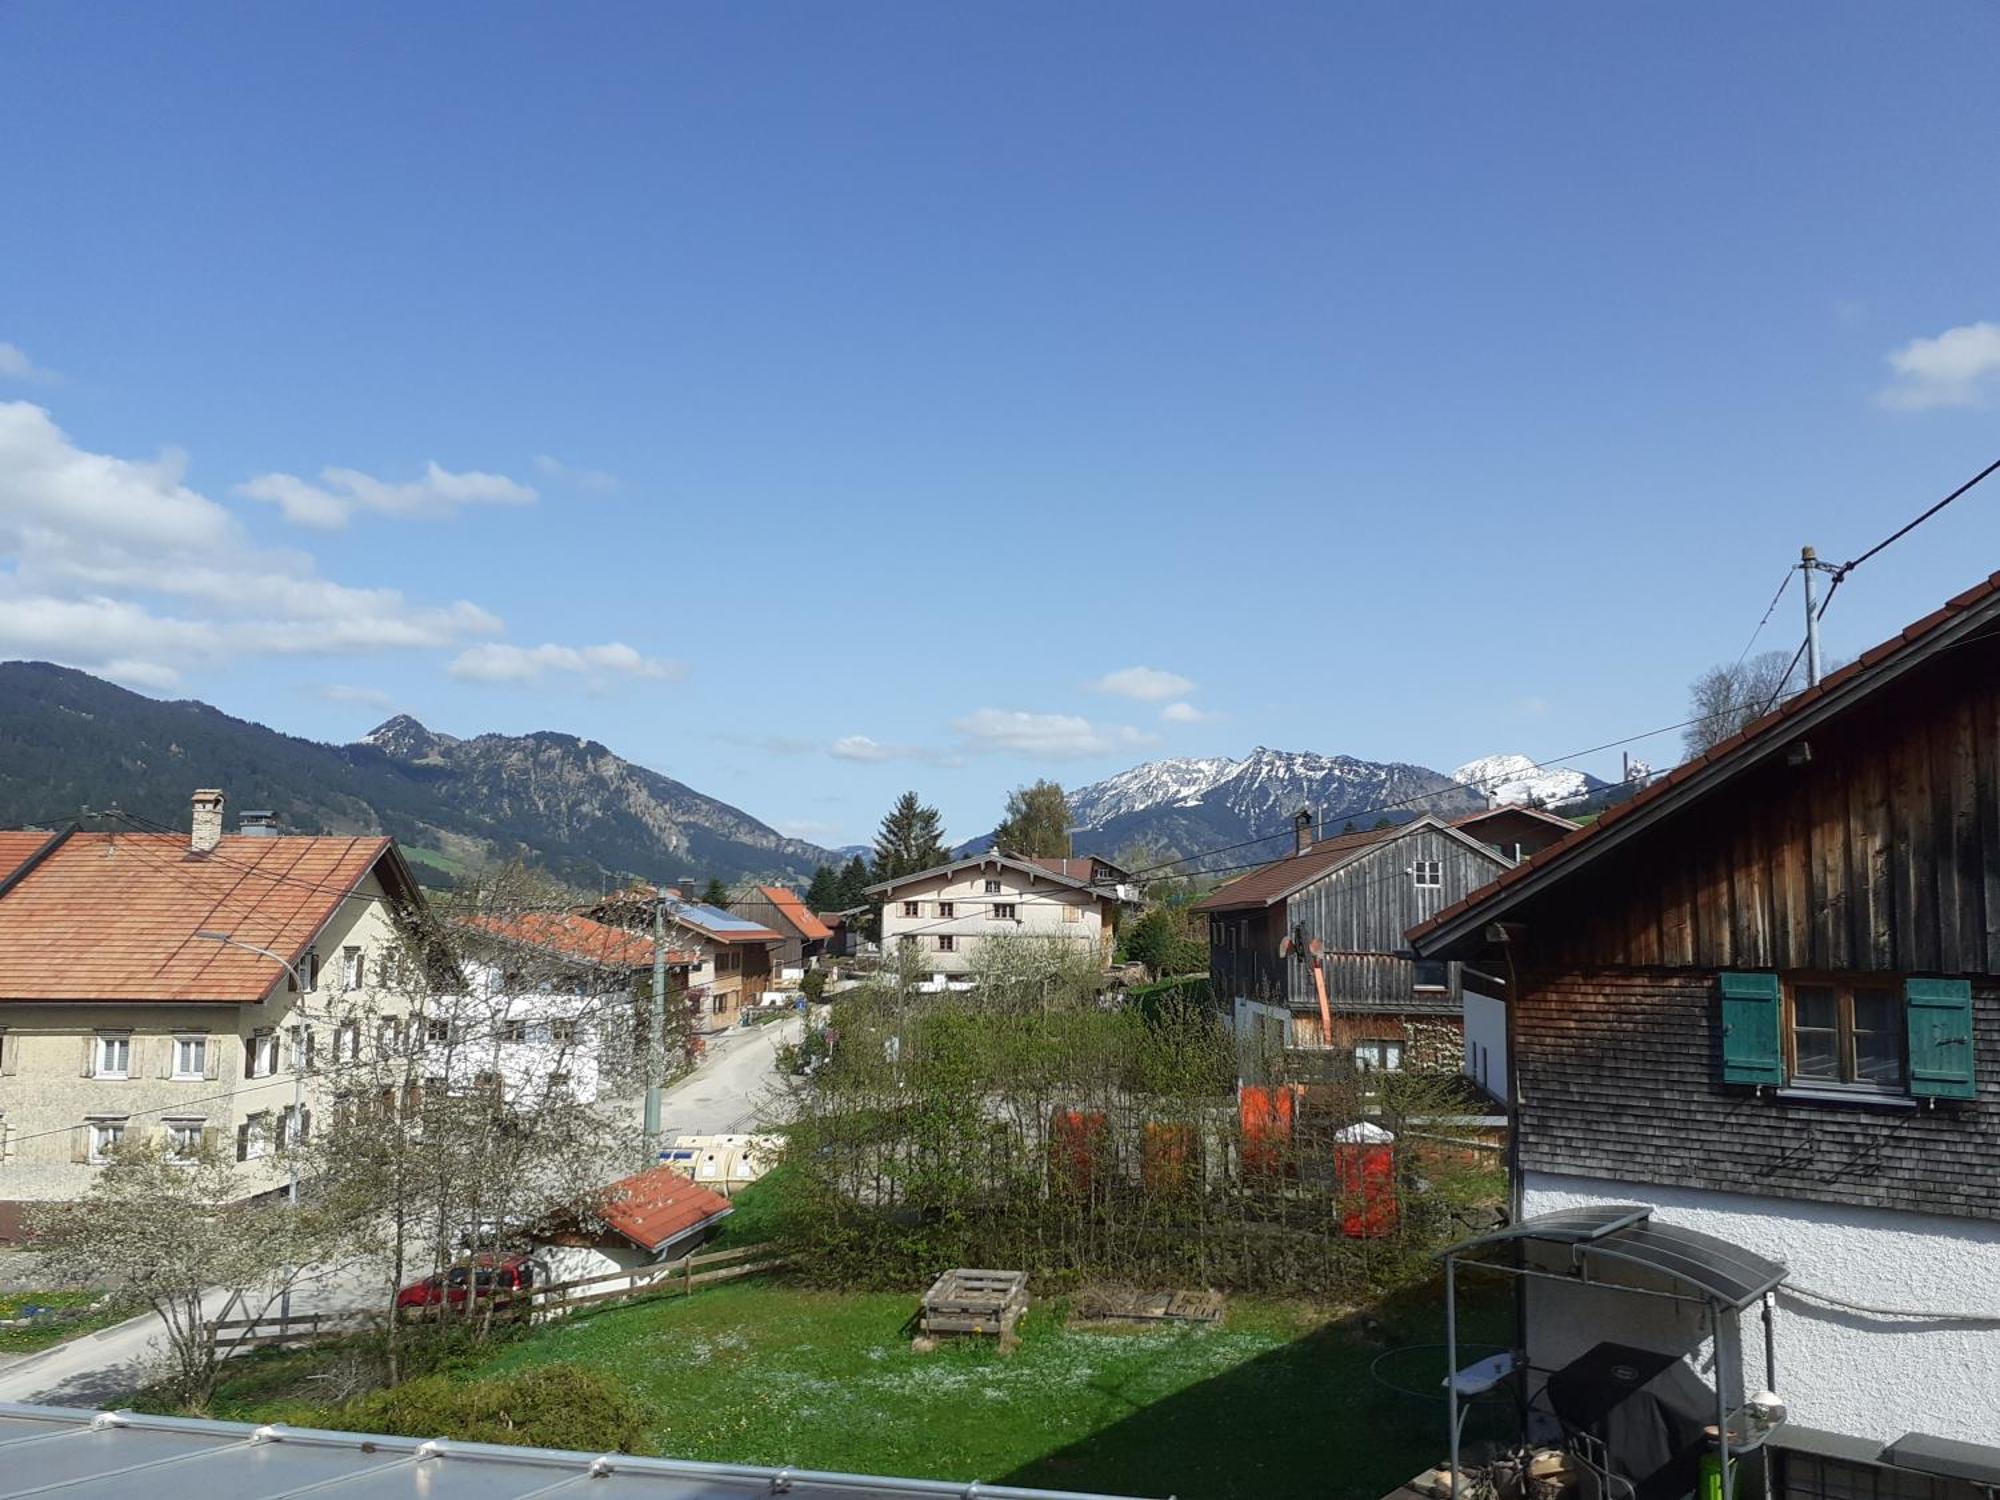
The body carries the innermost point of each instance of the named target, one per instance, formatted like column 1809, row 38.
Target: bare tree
column 174, row 1232
column 1725, row 699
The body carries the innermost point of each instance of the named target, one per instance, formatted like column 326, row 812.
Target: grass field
column 74, row 1317
column 1276, row 1402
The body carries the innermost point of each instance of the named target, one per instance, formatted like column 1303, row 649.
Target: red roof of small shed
column 659, row 1205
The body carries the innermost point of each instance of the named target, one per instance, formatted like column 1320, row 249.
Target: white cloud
column 860, row 747
column 330, row 504
column 1046, row 736
column 119, row 567
column 1183, row 712
column 1960, row 367
column 596, row 481
column 15, row 365
column 1147, row 684
column 342, row 692
column 497, row 661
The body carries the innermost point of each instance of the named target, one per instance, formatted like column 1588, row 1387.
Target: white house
column 943, row 914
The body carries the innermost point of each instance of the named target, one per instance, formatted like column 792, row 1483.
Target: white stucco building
column 944, row 914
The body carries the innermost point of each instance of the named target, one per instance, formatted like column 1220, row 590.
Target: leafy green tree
column 824, row 892
column 1037, row 822
column 851, row 890
column 715, row 893
column 1164, row 940
column 910, row 839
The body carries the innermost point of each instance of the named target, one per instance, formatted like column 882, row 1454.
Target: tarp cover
column 1647, row 1408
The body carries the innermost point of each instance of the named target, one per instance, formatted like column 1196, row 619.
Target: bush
column 813, row 986
column 554, row 1406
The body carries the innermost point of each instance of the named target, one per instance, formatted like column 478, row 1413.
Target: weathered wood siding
column 1881, row 853
column 1243, row 956
column 1620, row 1075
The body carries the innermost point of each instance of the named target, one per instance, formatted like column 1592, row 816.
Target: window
column 913, row 908
column 1003, row 911
column 719, row 1005
column 438, row 1032
column 104, row 1137
column 563, row 1032
column 347, row 1042
column 308, row 968
column 947, row 943
column 113, row 1056
column 559, row 1083
column 1847, row 1033
column 299, row 1049
column 992, row 887
column 1431, row 974
column 351, row 968
column 1378, row 1057
column 389, row 1037
column 190, row 1057
column 253, row 1137
column 947, row 909
column 260, row 1054
column 1428, row 874
column 183, row 1138
column 513, row 1031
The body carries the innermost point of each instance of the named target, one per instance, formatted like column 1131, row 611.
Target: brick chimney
column 1302, row 831
column 207, row 824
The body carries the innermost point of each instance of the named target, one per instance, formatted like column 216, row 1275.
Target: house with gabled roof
column 178, row 987
column 1308, row 950
column 1759, row 1002
column 942, row 916
column 1515, row 829
column 732, row 964
column 804, row 936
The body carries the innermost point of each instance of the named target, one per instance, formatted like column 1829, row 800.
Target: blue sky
column 813, row 401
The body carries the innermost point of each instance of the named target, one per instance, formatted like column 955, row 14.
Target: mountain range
column 587, row 815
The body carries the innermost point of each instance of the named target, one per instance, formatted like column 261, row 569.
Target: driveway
column 731, row 1091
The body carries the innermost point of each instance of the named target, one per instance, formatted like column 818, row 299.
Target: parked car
column 500, row 1278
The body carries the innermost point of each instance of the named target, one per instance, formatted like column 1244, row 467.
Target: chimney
column 1302, row 831
column 261, row 824
column 207, row 825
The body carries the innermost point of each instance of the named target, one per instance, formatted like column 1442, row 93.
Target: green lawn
column 1276, row 1402
column 74, row 1317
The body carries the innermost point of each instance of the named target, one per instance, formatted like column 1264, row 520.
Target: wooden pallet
column 974, row 1301
column 1122, row 1306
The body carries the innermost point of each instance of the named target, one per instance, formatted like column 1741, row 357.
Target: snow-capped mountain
column 1184, row 806
column 1515, row 778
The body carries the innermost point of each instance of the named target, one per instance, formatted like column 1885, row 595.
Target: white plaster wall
column 1858, row 1374
column 1041, row 909
column 1486, row 1043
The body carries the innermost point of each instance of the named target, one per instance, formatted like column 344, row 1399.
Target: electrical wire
column 1907, row 527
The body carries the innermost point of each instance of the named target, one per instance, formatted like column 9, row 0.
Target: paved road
column 733, row 1090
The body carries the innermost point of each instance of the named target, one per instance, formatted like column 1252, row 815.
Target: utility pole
column 1809, row 565
column 656, row 1026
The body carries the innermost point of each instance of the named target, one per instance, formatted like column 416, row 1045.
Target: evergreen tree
column 715, row 893
column 851, row 889
column 1037, row 822
column 911, row 838
column 824, row 892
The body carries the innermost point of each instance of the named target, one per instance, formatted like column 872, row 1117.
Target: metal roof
column 89, row 1454
column 1614, row 1235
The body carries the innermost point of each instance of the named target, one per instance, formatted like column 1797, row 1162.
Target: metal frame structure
column 1721, row 1278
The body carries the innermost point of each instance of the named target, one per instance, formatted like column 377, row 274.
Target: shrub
column 554, row 1406
column 813, row 986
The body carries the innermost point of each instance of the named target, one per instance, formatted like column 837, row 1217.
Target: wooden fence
column 674, row 1278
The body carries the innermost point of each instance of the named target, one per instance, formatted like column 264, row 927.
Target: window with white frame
column 299, row 1048
column 992, row 887
column 294, row 1126
column 515, row 1031
column 351, row 969
column 1003, row 911
column 347, row 1042
column 913, row 908
column 562, row 1033
column 1378, row 1057
column 113, row 1055
column 104, row 1137
column 437, row 1032
column 947, row 909
column 260, row 1054
column 947, row 943
column 183, row 1138
column 308, row 968
column 389, row 1037
column 1428, row 874
column 253, row 1137
column 190, row 1057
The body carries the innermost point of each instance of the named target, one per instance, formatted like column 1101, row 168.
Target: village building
column 1341, row 905
column 803, row 936
column 1757, row 1007
column 942, row 916
column 731, row 966
column 655, row 1215
column 1515, row 829
column 196, row 989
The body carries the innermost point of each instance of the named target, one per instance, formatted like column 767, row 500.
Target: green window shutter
column 1938, row 1013
column 1751, row 1052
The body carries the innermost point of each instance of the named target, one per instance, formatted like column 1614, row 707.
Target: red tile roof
column 18, row 846
column 659, row 1205
column 1586, row 837
column 114, row 916
column 572, row 936
column 793, row 910
column 1273, row 882
column 1554, row 820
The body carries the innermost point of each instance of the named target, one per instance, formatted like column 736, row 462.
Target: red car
column 498, row 1278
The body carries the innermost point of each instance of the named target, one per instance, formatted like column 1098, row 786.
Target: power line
column 1769, row 610
column 1908, row 526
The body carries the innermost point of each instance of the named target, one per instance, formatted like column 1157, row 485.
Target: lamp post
column 298, row 1086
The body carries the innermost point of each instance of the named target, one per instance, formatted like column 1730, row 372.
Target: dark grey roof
column 1946, row 1456
column 1624, row 1234
column 100, row 1455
